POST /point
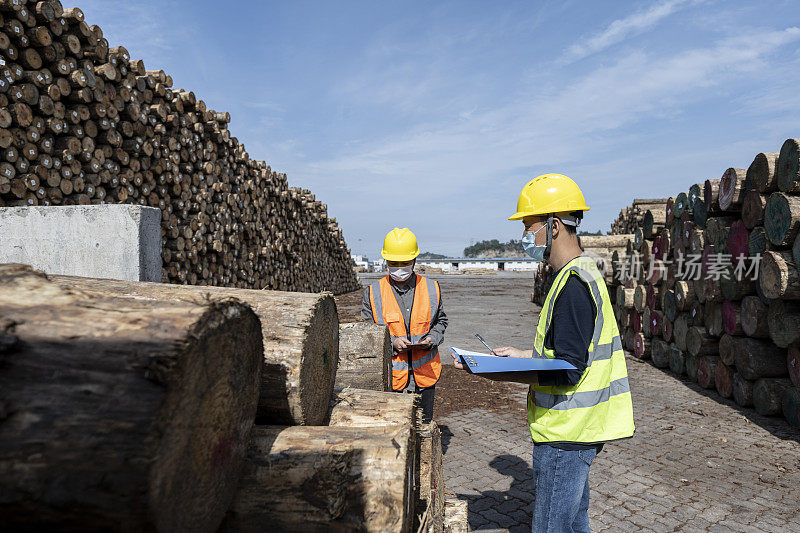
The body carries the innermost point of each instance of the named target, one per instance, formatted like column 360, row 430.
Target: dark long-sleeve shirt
column 404, row 293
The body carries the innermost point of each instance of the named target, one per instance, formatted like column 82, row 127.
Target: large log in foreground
column 121, row 413
column 364, row 408
column 325, row 479
column 365, row 356
column 301, row 345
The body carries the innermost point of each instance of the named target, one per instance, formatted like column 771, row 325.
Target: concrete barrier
column 112, row 241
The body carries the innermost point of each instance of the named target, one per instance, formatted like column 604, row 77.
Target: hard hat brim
column 399, row 257
column 519, row 215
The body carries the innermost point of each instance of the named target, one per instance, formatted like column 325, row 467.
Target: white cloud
column 623, row 28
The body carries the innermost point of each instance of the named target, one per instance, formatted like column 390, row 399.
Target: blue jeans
column 561, row 481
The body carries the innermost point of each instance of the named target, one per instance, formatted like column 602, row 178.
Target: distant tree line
column 430, row 255
column 494, row 247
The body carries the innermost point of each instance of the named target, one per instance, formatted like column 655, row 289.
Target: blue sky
column 433, row 115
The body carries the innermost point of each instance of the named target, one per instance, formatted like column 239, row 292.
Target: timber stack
column 167, row 407
column 83, row 123
column 632, row 217
column 712, row 288
column 604, row 249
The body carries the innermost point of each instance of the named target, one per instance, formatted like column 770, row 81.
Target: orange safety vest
column 386, row 311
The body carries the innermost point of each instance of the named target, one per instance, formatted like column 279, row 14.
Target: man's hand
column 457, row 361
column 510, row 351
column 427, row 341
column 401, row 344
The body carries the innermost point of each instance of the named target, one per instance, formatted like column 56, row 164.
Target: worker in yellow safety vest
column 571, row 413
column 411, row 306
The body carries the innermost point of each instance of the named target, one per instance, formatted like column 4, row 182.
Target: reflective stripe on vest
column 425, row 363
column 599, row 407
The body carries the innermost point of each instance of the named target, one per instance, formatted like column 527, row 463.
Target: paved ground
column 697, row 462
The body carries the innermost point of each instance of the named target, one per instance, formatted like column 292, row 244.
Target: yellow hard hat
column 400, row 245
column 549, row 193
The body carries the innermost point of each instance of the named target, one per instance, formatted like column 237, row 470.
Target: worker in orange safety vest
column 411, row 306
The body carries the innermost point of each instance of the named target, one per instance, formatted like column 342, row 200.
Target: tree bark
column 753, row 209
column 325, row 479
column 768, row 395
column 788, row 166
column 706, row 371
column 301, row 341
column 761, row 172
column 364, row 408
column 122, row 413
column 731, row 191
column 698, row 342
column 782, row 218
column 742, row 390
column 779, row 277
column 365, row 356
column 783, row 319
column 759, row 359
column 723, row 379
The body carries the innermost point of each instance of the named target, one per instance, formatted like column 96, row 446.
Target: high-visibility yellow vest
column 425, row 363
column 599, row 408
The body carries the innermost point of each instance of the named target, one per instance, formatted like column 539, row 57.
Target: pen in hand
column 491, row 351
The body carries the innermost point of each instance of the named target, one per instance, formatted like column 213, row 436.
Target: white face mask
column 401, row 273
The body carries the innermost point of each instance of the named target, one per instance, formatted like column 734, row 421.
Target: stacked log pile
column 715, row 293
column 83, row 123
column 632, row 217
column 604, row 249
column 154, row 406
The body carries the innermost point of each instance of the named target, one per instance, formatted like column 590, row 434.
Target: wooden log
column 635, row 321
column 670, row 305
column 605, row 241
column 365, row 408
column 723, row 379
column 697, row 315
column 680, row 205
column 656, row 318
column 646, row 329
column 753, row 209
column 793, row 363
column 731, row 191
column 713, row 319
column 778, row 276
column 692, row 365
column 666, row 329
column 791, row 406
column 788, row 166
column 707, row 370
column 698, row 342
column 653, row 221
column 711, row 196
column 782, row 218
column 625, row 297
column 757, row 358
column 677, row 360
column 742, row 390
column 732, row 317
column 365, row 356
column 796, row 252
column 640, row 298
column 768, row 395
column 670, row 215
column 659, row 353
column 641, row 346
column 757, row 242
column 684, row 295
column 680, row 329
column 783, row 319
column 761, row 172
column 727, row 349
column 737, row 289
column 429, row 504
column 456, row 516
column 325, row 479
column 135, row 412
column 301, row 342
column 700, row 214
column 737, row 241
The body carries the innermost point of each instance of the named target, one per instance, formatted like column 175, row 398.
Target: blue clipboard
column 481, row 363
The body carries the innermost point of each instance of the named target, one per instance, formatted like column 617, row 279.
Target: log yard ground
column 698, row 462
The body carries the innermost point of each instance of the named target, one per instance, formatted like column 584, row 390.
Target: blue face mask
column 536, row 251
